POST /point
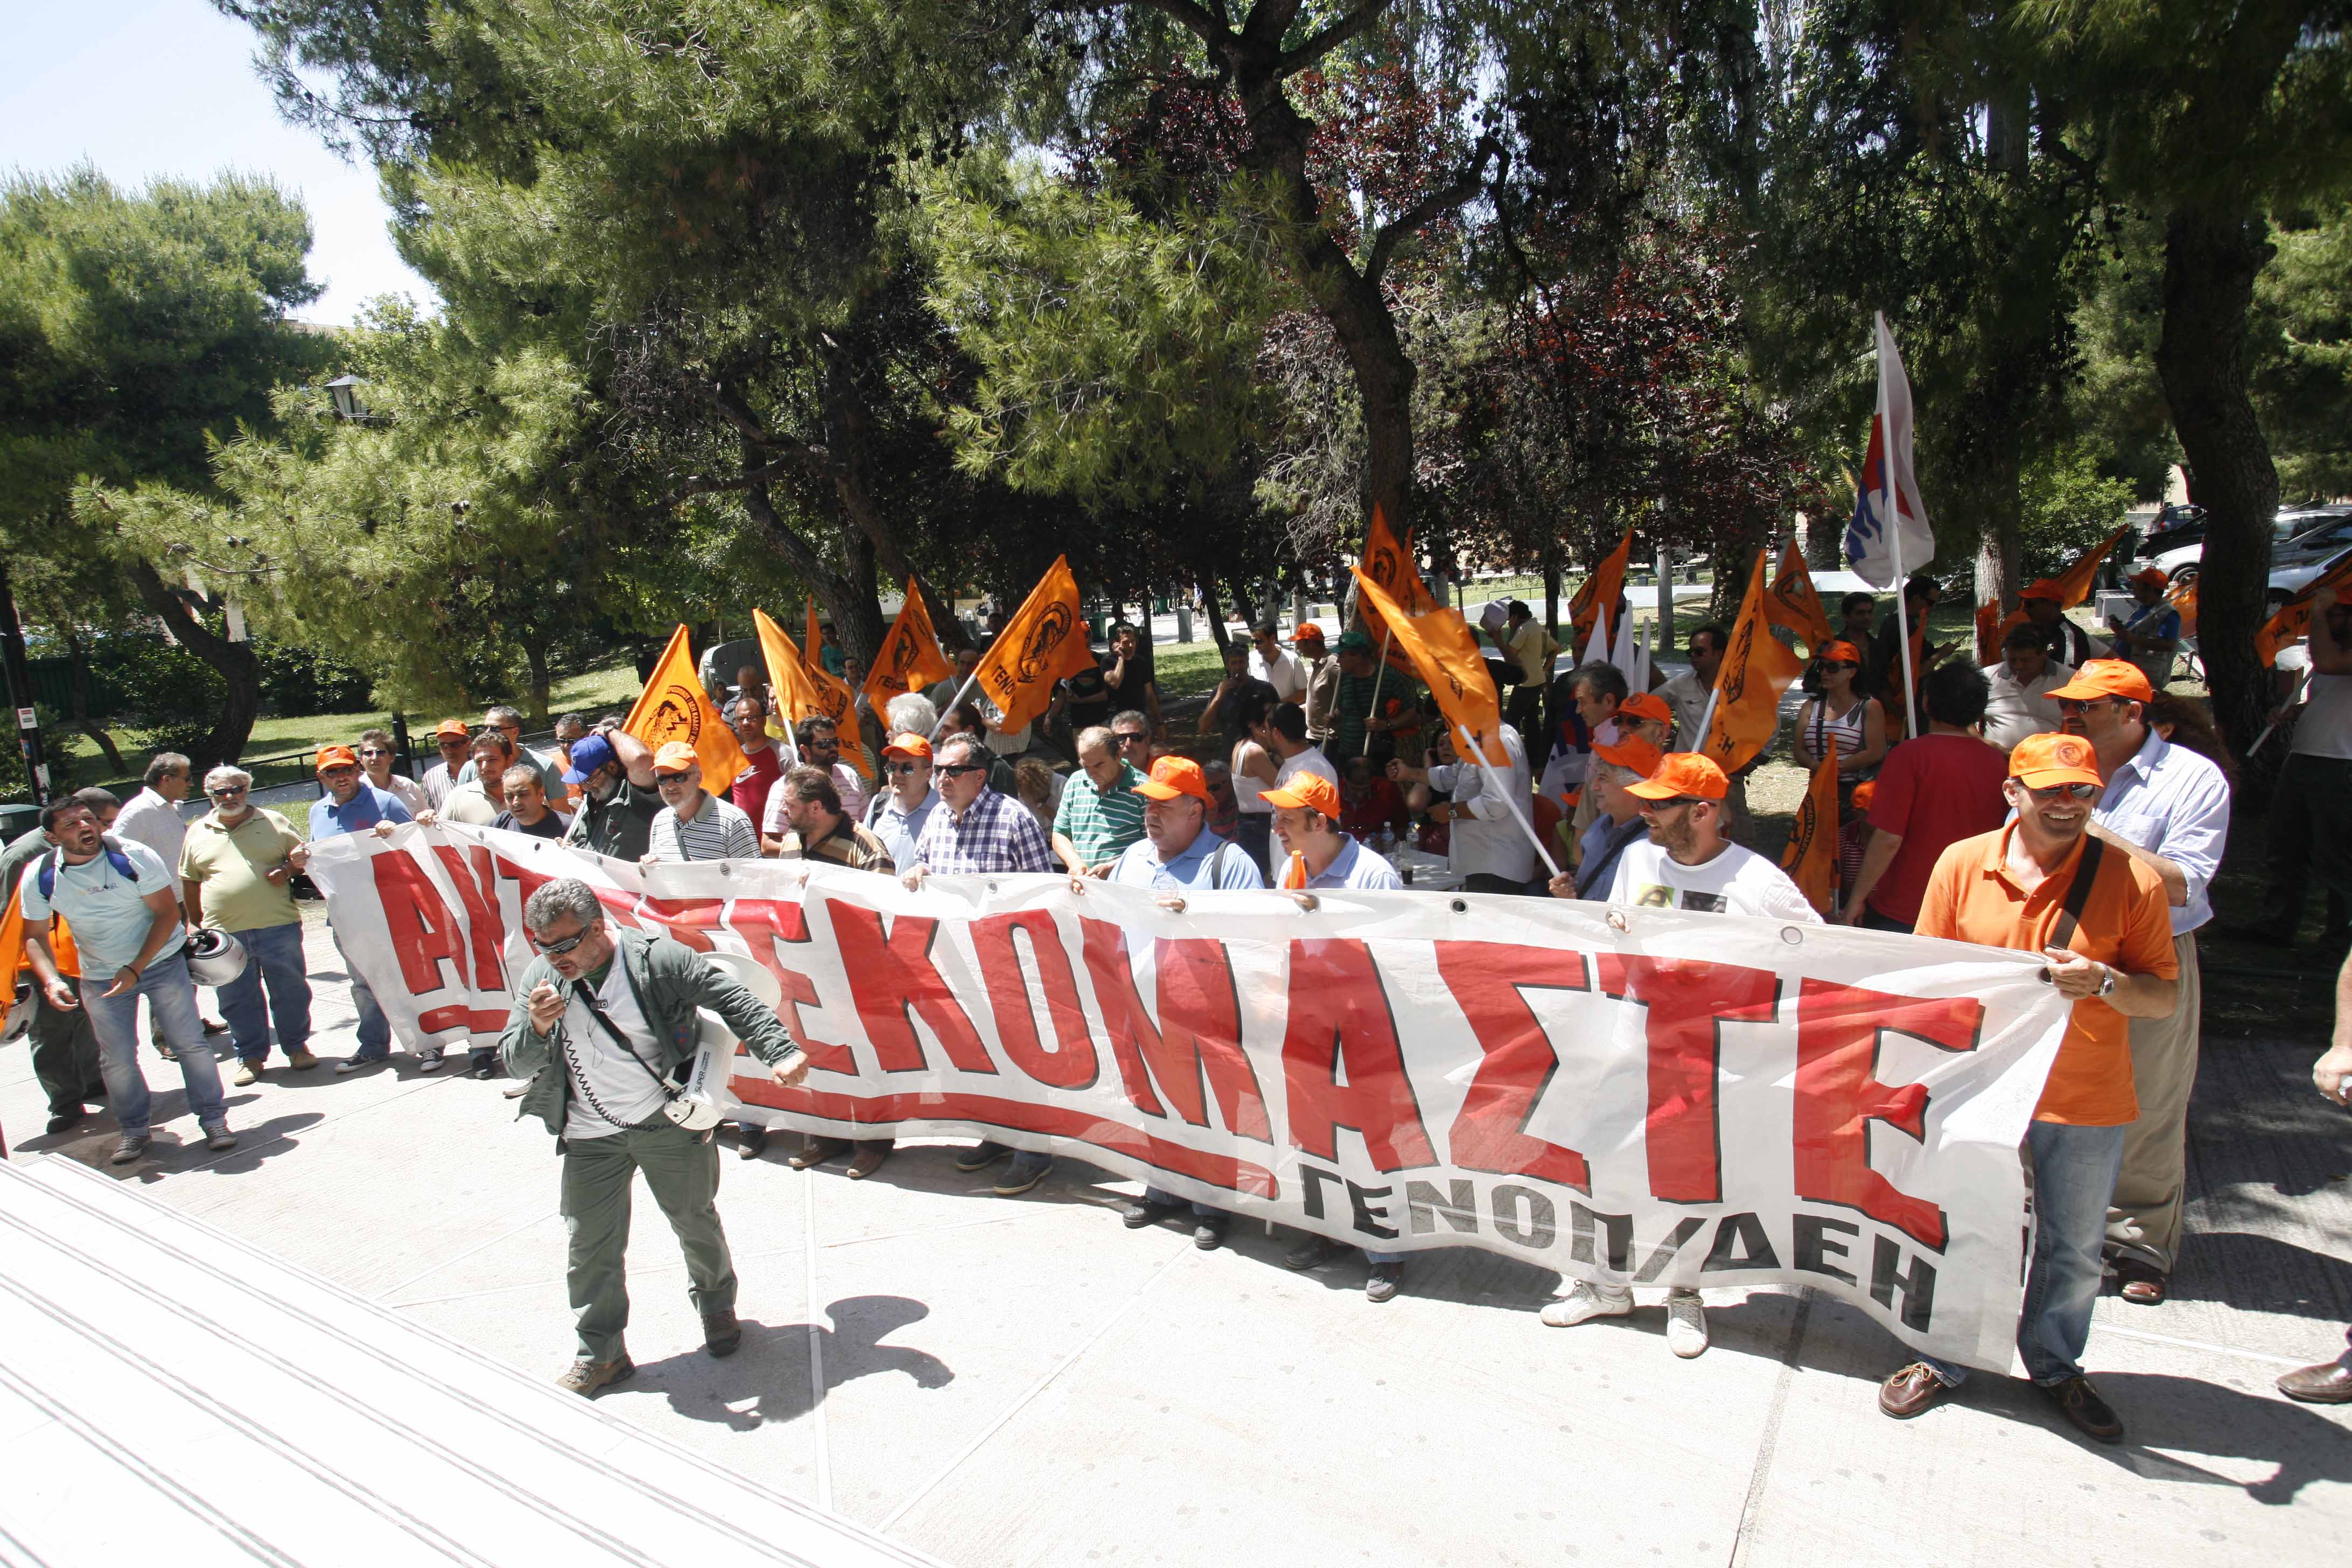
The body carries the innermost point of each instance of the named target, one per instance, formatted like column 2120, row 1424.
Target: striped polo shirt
column 719, row 832
column 1101, row 822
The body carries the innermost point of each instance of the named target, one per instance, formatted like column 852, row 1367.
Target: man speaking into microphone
column 605, row 1030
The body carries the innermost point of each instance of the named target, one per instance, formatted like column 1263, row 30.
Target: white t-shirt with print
column 624, row 1089
column 1735, row 882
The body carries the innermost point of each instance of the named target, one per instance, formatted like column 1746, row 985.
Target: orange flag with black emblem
column 1390, row 564
column 1445, row 654
column 1794, row 603
column 1811, row 858
column 1042, row 645
column 909, row 659
column 797, row 697
column 2069, row 587
column 1600, row 593
column 673, row 707
column 838, row 702
column 1756, row 669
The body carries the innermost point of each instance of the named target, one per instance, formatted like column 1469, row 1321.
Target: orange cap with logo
column 2105, row 678
column 1839, row 652
column 1647, row 705
column 2045, row 762
column 452, row 730
column 1311, row 790
column 2153, row 575
column 1680, row 773
column 676, row 757
column 1633, row 752
column 1174, row 776
column 337, row 757
column 908, row 744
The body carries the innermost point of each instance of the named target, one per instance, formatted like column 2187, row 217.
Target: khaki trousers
column 682, row 1170
column 2144, row 1216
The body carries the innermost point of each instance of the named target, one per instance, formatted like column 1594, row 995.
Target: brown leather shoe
column 2080, row 1403
column 586, row 1376
column 871, row 1152
column 815, row 1150
column 2140, row 1284
column 2329, row 1382
column 1910, row 1390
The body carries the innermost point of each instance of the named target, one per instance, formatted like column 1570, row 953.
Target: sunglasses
column 957, row 770
column 1662, row 805
column 1130, row 737
column 900, row 769
column 558, row 949
column 228, row 793
column 341, row 770
column 1839, row 664
column 2081, row 705
column 2063, row 791
column 373, row 751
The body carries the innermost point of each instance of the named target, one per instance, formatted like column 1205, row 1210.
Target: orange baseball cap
column 1647, row 705
column 2105, row 677
column 676, row 757
column 452, row 730
column 908, row 744
column 1307, row 629
column 337, row 757
column 1311, row 790
column 2155, row 574
column 2044, row 762
column 1840, row 652
column 1633, row 752
column 1680, row 773
column 1174, row 776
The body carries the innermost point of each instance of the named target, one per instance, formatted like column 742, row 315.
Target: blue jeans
column 2074, row 1171
column 375, row 1030
column 273, row 957
column 172, row 999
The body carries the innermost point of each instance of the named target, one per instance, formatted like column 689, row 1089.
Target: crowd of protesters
column 2060, row 801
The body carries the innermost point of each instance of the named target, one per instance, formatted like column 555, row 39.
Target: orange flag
column 909, row 658
column 1794, row 601
column 1044, row 642
column 11, row 942
column 1811, row 858
column 797, row 696
column 1990, row 630
column 1757, row 667
column 1600, row 593
column 840, row 701
column 673, row 708
column 2292, row 622
column 1390, row 564
column 1445, row 655
column 2184, row 599
column 2071, row 588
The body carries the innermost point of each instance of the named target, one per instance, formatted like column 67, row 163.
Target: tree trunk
column 2210, row 261
column 1213, row 606
column 1997, row 549
column 77, row 704
column 233, row 661
column 1824, row 540
column 534, row 653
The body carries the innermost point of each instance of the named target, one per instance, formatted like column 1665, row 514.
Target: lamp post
column 344, row 390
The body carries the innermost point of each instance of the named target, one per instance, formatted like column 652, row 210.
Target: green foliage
column 2068, row 503
column 174, row 696
column 2299, row 355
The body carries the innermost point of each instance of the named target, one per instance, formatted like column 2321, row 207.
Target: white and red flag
column 1888, row 485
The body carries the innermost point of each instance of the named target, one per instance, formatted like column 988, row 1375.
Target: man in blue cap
column 615, row 770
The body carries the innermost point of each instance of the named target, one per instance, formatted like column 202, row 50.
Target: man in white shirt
column 153, row 816
column 1687, row 693
column 693, row 823
column 1687, row 863
column 2311, row 812
column 1275, row 667
column 375, row 761
column 2022, row 684
column 1484, row 845
column 819, row 743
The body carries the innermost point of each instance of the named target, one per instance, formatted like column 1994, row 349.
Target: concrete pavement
column 1023, row 1381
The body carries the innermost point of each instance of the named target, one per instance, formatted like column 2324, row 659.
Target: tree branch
column 1269, row 22
column 1468, row 183
column 1295, row 60
column 803, row 555
column 707, row 484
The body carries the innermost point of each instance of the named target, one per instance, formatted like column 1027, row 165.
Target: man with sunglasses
column 1130, row 731
column 820, row 746
column 618, row 803
column 507, row 722
column 601, row 1026
column 1686, row 863
column 234, row 871
column 2047, row 883
column 2168, row 809
column 899, row 813
column 375, row 761
column 455, row 743
column 352, row 805
column 978, row 832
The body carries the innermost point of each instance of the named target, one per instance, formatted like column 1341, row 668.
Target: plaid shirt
column 996, row 834
column 1101, row 822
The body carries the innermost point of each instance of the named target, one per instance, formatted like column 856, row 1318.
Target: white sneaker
column 1585, row 1302
column 1686, row 1324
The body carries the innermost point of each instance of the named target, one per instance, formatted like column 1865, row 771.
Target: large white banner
column 1676, row 1098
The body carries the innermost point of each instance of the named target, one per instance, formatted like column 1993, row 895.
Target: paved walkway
column 1024, row 1382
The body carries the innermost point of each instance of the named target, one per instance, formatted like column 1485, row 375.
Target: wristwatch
column 2107, row 980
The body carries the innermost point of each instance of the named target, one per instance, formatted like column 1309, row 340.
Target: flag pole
column 1894, row 533
column 1502, row 791
column 1387, row 634
column 955, row 702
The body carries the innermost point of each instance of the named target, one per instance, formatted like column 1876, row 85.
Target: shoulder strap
column 2078, row 893
column 588, row 999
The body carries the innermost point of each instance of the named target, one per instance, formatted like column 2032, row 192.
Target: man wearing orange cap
column 1621, row 822
column 352, row 805
column 1178, row 854
column 455, row 741
column 2151, row 635
column 1306, row 811
column 2311, row 810
column 1322, row 673
column 693, row 823
column 897, row 814
column 2062, row 639
column 2046, row 883
column 2168, row 809
column 1686, row 863
column 1646, row 716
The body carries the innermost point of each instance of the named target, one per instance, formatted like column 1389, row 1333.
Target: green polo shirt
column 230, row 868
column 1101, row 823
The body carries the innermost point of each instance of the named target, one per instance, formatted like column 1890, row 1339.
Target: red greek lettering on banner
column 1489, row 981
column 1073, row 1064
column 470, row 870
column 1199, row 1033
column 1839, row 1030
column 896, row 981
column 1688, row 1001
column 763, row 923
column 1339, row 1018
column 422, row 928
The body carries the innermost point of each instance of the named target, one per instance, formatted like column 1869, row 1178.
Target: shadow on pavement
column 2266, row 1274
column 2164, row 1416
column 772, row 1369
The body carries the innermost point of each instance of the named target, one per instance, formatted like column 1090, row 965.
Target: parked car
column 2308, row 556
column 2179, row 549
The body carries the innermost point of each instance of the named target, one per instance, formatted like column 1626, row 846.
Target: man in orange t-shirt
column 2042, row 884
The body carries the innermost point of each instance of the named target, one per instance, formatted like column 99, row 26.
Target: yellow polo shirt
column 230, row 868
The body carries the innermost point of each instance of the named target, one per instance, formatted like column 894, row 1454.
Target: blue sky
column 143, row 87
